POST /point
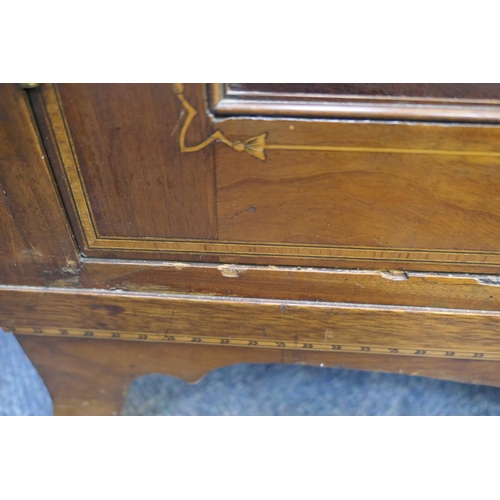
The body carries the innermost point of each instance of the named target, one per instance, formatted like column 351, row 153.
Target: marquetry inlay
column 269, row 344
column 257, row 145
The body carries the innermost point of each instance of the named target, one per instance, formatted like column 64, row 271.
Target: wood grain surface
column 363, row 202
column 122, row 148
column 345, row 243
column 419, row 196
column 385, row 287
column 36, row 244
column 329, row 326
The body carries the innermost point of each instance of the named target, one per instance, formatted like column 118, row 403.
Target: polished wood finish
column 410, row 207
column 455, row 102
column 91, row 377
column 125, row 165
column 205, row 240
column 420, row 196
column 306, row 325
column 131, row 129
column 453, row 91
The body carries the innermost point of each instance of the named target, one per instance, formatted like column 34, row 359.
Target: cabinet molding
column 227, row 101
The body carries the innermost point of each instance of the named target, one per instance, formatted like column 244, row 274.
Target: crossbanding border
column 269, row 344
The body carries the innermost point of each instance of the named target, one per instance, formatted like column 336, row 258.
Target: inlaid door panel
column 120, row 150
column 162, row 172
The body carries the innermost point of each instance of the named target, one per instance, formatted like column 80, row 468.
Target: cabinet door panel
column 154, row 175
column 407, row 191
column 135, row 182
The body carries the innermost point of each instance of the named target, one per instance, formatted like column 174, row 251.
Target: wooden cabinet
column 147, row 173
column 340, row 224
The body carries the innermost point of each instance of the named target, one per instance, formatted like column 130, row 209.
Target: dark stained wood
column 452, row 102
column 435, row 90
column 56, row 162
column 91, row 377
column 39, row 104
column 419, row 196
column 136, row 181
column 36, row 245
column 367, row 210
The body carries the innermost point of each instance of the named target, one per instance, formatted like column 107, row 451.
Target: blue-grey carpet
column 22, row 391
column 260, row 390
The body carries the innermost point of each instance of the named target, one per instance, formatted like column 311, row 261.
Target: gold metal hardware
column 29, row 85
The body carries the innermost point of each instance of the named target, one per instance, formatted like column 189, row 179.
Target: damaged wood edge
column 235, row 270
column 269, row 344
column 65, row 277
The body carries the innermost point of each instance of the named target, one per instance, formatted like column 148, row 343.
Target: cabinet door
column 288, row 174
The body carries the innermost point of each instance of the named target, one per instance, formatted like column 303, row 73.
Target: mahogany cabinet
column 178, row 228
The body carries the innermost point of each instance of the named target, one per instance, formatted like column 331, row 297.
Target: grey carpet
column 22, row 391
column 260, row 390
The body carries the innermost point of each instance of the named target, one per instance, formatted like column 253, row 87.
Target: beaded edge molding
column 269, row 344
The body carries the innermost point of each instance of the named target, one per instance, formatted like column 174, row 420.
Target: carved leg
column 91, row 376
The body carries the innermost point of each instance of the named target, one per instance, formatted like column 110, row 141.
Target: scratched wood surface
column 439, row 290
